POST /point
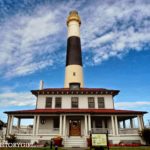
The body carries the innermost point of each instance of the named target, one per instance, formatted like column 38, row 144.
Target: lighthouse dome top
column 73, row 15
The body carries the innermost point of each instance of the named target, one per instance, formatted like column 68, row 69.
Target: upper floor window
column 101, row 103
column 74, row 102
column 91, row 103
column 58, row 102
column 48, row 102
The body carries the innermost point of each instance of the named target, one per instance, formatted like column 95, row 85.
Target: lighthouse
column 73, row 70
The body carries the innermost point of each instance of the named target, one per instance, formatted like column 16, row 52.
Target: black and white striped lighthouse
column 74, row 71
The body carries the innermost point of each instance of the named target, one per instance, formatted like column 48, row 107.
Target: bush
column 145, row 134
column 11, row 138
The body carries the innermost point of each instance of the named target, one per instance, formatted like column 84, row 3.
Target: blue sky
column 115, row 38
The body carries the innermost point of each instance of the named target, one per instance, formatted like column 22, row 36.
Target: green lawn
column 112, row 148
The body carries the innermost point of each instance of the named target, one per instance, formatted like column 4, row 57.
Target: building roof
column 65, row 91
column 91, row 111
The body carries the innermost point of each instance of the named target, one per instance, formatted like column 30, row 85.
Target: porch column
column 116, row 125
column 140, row 118
column 18, row 123
column 8, row 126
column 124, row 124
column 34, row 125
column 119, row 124
column 85, row 121
column 11, row 124
column 64, row 125
column 131, row 123
column 60, row 125
column 89, row 122
column 142, row 121
column 37, row 125
column 113, row 125
column 139, row 122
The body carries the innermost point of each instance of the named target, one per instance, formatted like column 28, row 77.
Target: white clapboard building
column 73, row 112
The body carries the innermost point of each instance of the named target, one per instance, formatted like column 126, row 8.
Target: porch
column 82, row 125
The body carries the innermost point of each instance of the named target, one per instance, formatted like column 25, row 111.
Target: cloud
column 16, row 99
column 137, row 106
column 113, row 29
column 131, row 105
column 33, row 39
column 29, row 43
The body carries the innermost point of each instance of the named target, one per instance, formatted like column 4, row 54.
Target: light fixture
column 43, row 121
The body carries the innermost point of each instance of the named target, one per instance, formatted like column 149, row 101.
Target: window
column 74, row 86
column 91, row 103
column 58, row 102
column 101, row 103
column 56, row 122
column 74, row 102
column 48, row 102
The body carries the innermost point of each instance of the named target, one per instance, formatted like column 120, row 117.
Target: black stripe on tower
column 74, row 56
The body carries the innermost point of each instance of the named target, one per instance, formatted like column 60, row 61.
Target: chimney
column 73, row 71
column 41, row 84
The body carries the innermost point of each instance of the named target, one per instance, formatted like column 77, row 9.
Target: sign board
column 99, row 139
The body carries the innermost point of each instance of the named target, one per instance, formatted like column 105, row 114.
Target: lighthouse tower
column 74, row 71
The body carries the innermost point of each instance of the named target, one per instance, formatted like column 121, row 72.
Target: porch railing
column 48, row 131
column 22, row 130
column 128, row 131
column 101, row 130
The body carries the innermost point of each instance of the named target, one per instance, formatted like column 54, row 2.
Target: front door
column 75, row 127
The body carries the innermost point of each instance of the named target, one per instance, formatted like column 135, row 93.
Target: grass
column 112, row 148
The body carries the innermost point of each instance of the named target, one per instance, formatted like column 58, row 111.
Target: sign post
column 99, row 140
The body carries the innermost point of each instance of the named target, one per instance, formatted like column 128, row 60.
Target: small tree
column 145, row 134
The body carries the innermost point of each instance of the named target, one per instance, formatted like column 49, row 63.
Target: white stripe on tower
column 74, row 71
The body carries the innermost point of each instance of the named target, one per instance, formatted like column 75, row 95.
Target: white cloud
column 17, row 99
column 112, row 29
column 131, row 105
column 30, row 42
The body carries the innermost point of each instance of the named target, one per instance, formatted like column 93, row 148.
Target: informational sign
column 99, row 139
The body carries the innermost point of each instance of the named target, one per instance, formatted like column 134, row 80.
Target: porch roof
column 91, row 111
column 55, row 91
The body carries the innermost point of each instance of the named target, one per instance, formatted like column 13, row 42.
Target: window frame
column 91, row 104
column 56, row 102
column 102, row 99
column 76, row 103
column 47, row 99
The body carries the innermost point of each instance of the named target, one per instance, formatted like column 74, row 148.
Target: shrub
column 11, row 138
column 145, row 134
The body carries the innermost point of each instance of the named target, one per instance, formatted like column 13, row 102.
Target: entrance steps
column 75, row 141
